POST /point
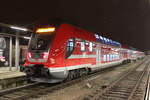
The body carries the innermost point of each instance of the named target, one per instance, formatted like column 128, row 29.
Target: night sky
column 126, row 21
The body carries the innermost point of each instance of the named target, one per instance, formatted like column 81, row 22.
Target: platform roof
column 12, row 30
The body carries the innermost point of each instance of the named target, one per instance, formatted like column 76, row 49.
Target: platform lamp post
column 17, row 49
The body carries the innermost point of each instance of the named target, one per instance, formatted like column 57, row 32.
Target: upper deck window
column 82, row 45
column 90, row 46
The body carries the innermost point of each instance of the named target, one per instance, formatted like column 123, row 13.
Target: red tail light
column 29, row 55
column 44, row 55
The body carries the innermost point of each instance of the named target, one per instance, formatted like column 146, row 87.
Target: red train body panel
column 69, row 52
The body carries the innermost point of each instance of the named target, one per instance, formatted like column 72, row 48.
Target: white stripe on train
column 81, row 56
column 93, row 67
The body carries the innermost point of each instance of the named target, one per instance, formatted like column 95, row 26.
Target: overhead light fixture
column 19, row 28
column 45, row 30
column 27, row 37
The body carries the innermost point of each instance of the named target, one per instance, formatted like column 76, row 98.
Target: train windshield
column 41, row 42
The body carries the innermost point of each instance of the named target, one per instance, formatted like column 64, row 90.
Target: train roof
column 107, row 41
column 97, row 37
column 58, row 21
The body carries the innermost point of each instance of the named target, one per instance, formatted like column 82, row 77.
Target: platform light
column 45, row 30
column 27, row 37
column 19, row 28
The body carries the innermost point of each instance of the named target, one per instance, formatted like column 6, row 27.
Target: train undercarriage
column 41, row 74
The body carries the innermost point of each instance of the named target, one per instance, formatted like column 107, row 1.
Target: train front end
column 38, row 55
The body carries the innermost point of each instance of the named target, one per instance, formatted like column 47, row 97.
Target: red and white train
column 61, row 52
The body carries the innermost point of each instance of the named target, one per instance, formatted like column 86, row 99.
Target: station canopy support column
column 10, row 53
column 17, row 51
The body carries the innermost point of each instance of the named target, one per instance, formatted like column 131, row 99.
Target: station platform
column 11, row 78
column 5, row 73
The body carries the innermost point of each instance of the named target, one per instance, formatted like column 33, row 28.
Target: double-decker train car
column 65, row 52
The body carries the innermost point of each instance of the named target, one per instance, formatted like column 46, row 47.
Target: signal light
column 45, row 30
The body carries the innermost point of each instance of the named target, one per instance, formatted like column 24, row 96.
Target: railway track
column 124, row 88
column 37, row 89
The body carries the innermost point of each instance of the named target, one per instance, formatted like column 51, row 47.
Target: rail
column 124, row 88
column 27, row 92
column 147, row 94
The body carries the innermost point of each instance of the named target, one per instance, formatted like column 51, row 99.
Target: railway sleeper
column 132, row 78
column 125, row 91
column 9, row 97
column 139, row 92
column 128, row 84
column 112, row 98
column 116, row 96
column 122, row 88
column 119, row 93
column 3, row 98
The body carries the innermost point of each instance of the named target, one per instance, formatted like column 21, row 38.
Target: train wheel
column 76, row 74
column 70, row 76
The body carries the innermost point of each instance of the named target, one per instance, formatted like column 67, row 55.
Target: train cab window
column 41, row 41
column 90, row 46
column 82, row 45
column 70, row 47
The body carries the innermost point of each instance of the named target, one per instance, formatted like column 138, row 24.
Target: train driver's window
column 41, row 44
column 70, row 47
column 82, row 45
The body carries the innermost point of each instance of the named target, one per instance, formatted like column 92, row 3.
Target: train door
column 98, row 55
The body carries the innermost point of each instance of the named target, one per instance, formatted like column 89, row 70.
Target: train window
column 115, row 56
column 118, row 57
column 111, row 57
column 82, row 45
column 104, row 58
column 91, row 47
column 70, row 47
column 107, row 57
